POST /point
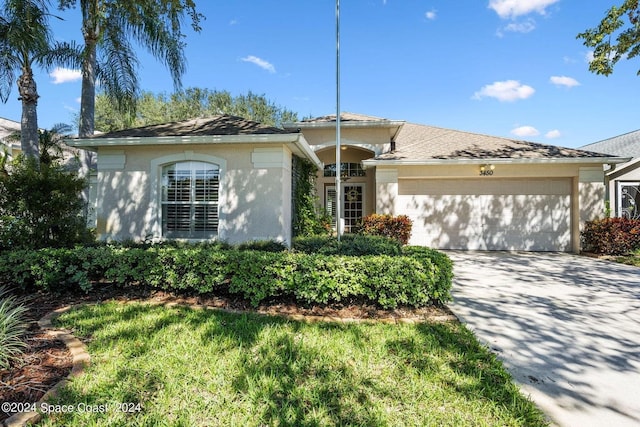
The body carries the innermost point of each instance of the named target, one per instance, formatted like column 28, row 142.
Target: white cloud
column 589, row 56
column 265, row 65
column 525, row 131
column 233, row 22
column 65, row 75
column 507, row 91
column 564, row 81
column 431, row 15
column 521, row 27
column 514, row 8
column 78, row 100
column 553, row 134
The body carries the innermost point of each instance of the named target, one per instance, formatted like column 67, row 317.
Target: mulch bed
column 47, row 360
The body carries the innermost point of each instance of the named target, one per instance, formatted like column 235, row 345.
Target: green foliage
column 263, row 245
column 616, row 37
column 40, row 206
column 413, row 277
column 189, row 104
column 394, row 227
column 349, row 244
column 611, row 236
column 13, row 325
column 308, row 220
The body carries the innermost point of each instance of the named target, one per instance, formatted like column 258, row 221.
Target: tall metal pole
column 338, row 165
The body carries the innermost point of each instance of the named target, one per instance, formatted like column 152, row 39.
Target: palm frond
column 116, row 70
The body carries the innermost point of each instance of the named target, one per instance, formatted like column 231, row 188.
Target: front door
column 629, row 200
column 352, row 204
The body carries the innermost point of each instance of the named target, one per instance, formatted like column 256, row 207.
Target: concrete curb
column 80, row 359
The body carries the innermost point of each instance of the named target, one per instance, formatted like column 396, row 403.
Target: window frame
column 155, row 208
column 190, row 193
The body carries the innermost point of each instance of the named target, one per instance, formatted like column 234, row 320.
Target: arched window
column 190, row 192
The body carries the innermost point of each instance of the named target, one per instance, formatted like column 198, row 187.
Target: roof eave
column 465, row 161
column 304, row 149
column 295, row 140
column 183, row 140
column 389, row 124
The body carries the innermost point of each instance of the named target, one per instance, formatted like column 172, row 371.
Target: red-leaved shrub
column 395, row 227
column 611, row 236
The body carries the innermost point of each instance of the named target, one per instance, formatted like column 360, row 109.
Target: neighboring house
column 622, row 180
column 230, row 178
column 12, row 147
column 8, row 127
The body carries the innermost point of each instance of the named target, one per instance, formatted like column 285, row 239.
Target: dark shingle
column 216, row 125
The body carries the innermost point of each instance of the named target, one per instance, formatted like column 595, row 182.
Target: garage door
column 489, row 214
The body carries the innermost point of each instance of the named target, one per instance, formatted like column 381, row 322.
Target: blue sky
column 511, row 68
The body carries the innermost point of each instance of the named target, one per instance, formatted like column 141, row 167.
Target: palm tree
column 109, row 28
column 25, row 42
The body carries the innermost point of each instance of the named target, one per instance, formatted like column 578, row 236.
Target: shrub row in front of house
column 416, row 277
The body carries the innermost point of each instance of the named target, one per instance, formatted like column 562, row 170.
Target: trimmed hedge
column 611, row 236
column 349, row 244
column 416, row 277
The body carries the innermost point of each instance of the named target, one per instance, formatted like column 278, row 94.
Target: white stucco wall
column 255, row 190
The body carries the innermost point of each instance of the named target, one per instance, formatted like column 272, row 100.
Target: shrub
column 412, row 276
column 611, row 236
column 394, row 227
column 349, row 244
column 13, row 326
column 263, row 245
column 40, row 206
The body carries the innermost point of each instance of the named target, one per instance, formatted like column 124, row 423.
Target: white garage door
column 488, row 214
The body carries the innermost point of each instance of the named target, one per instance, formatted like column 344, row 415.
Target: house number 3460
column 487, row 172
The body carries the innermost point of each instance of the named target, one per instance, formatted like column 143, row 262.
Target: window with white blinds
column 190, row 192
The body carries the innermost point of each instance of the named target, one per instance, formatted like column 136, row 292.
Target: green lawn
column 190, row 367
column 631, row 259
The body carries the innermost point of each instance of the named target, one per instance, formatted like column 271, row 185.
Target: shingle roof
column 417, row 142
column 344, row 117
column 626, row 145
column 8, row 127
column 216, row 125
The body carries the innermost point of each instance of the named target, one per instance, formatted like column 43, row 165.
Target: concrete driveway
column 567, row 327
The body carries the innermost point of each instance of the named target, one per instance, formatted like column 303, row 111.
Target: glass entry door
column 629, row 200
column 352, row 204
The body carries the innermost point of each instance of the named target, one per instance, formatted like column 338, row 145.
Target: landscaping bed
column 45, row 362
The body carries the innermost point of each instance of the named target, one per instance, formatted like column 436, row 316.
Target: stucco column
column 386, row 190
column 575, row 214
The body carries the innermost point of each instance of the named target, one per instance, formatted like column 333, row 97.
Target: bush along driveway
column 567, row 327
